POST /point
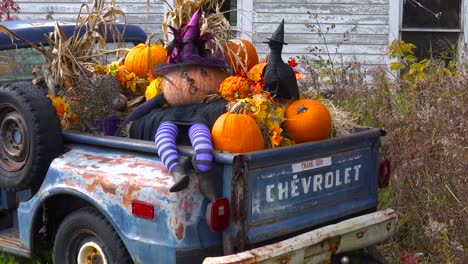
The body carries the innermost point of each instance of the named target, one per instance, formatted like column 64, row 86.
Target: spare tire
column 30, row 135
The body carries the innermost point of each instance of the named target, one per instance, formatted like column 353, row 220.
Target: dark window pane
column 432, row 14
column 433, row 44
column 17, row 64
column 229, row 8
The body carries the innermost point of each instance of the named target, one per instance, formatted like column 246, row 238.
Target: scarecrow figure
column 280, row 79
column 151, row 121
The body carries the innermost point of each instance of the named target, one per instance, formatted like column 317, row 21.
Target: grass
column 6, row 258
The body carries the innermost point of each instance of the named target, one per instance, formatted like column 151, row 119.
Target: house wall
column 136, row 11
column 366, row 21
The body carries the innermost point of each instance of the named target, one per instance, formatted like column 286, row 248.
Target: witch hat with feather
column 187, row 48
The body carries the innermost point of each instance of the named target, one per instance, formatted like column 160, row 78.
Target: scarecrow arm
column 143, row 109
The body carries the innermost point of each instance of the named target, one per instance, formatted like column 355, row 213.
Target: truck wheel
column 30, row 136
column 85, row 236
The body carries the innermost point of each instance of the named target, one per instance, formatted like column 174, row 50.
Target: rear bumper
column 318, row 245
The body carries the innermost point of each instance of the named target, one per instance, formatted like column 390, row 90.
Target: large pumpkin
column 143, row 57
column 307, row 120
column 237, row 133
column 241, row 54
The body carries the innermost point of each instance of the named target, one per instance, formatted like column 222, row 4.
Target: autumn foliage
column 7, row 10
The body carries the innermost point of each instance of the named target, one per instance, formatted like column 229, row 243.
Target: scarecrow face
column 189, row 84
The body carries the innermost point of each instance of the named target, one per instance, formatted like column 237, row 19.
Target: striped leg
column 200, row 137
column 165, row 141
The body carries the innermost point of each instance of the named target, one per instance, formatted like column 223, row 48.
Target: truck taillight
column 143, row 210
column 384, row 173
column 217, row 215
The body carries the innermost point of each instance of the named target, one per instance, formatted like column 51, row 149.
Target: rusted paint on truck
column 111, row 180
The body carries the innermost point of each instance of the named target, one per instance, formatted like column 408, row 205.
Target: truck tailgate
column 279, row 192
column 317, row 246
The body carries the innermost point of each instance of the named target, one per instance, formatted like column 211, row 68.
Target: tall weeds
column 423, row 107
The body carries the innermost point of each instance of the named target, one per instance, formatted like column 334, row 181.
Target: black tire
column 30, row 135
column 88, row 226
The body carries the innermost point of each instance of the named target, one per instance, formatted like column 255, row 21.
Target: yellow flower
column 154, row 88
column 130, row 82
column 279, row 112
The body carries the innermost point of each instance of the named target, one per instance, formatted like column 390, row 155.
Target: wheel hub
column 91, row 253
column 14, row 140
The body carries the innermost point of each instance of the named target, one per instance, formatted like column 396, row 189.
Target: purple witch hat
column 189, row 48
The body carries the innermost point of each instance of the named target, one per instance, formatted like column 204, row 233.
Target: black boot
column 205, row 181
column 180, row 174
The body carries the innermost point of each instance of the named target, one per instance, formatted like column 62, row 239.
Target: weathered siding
column 367, row 42
column 135, row 11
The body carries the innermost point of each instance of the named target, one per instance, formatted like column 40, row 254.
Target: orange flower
column 275, row 134
column 256, row 88
column 299, row 75
column 64, row 113
column 59, row 105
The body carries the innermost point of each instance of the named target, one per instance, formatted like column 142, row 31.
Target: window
column 17, row 64
column 229, row 8
column 434, row 26
column 239, row 13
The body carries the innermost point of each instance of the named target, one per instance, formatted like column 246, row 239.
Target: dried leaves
column 71, row 57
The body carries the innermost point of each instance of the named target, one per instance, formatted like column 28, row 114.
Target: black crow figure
column 279, row 77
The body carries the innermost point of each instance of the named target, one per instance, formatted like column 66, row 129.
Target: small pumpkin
column 234, row 87
column 307, row 120
column 237, row 133
column 241, row 54
column 143, row 57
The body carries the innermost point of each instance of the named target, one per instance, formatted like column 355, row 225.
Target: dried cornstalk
column 69, row 58
column 214, row 23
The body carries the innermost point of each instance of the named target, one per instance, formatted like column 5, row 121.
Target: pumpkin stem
column 236, row 108
column 148, row 40
column 301, row 109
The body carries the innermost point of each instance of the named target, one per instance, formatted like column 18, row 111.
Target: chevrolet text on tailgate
column 106, row 199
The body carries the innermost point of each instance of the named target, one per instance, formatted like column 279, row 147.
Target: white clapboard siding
column 137, row 12
column 364, row 22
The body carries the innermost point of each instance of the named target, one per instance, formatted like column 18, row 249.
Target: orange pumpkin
column 143, row 57
column 237, row 133
column 241, row 54
column 307, row 120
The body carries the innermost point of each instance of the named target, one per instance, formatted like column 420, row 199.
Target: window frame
column 244, row 19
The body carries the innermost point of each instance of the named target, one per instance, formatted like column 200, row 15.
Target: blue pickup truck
column 105, row 199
